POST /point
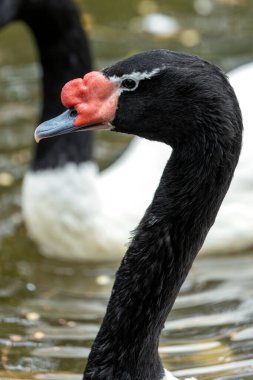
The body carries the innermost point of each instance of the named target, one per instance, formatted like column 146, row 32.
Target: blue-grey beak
column 59, row 125
column 64, row 123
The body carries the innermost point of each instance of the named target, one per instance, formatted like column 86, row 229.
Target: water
column 50, row 311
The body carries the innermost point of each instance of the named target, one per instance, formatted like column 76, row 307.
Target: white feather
column 168, row 376
column 77, row 213
column 233, row 229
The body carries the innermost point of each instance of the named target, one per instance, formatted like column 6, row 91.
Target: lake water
column 50, row 310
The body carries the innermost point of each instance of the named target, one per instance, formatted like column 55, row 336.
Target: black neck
column 64, row 55
column 157, row 262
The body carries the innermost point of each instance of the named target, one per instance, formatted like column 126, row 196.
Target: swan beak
column 91, row 104
column 62, row 124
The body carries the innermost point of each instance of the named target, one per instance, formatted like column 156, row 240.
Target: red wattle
column 72, row 92
column 95, row 98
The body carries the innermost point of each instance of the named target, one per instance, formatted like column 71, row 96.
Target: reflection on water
column 50, row 311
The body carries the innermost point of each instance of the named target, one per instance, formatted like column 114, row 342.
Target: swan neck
column 157, row 263
column 64, row 54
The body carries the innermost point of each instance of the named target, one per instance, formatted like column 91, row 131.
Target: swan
column 185, row 102
column 64, row 166
column 227, row 235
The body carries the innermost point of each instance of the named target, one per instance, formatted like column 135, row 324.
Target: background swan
column 61, row 169
column 103, row 200
column 231, row 234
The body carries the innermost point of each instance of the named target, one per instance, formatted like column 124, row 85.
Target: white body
column 75, row 212
column 168, row 376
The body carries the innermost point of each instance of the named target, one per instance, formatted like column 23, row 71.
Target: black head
column 184, row 96
column 161, row 95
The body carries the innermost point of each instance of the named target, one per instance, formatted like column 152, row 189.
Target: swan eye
column 129, row 84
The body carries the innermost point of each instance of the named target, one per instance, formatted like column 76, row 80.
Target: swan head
column 160, row 95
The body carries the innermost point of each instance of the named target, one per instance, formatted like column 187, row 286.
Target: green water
column 50, row 311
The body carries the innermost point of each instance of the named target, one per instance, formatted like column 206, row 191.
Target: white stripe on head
column 136, row 76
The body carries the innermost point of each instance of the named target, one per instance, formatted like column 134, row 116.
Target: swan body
column 230, row 234
column 80, row 233
column 168, row 375
column 206, row 142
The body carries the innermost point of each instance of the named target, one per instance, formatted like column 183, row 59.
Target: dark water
column 50, row 311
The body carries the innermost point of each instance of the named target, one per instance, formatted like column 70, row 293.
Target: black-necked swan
column 64, row 166
column 227, row 235
column 188, row 103
column 101, row 204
